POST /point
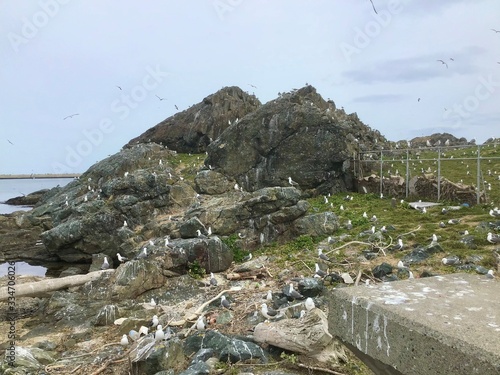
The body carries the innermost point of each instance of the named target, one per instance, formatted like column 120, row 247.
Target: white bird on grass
column 322, row 256
column 493, row 238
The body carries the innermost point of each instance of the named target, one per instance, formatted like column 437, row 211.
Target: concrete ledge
column 438, row 325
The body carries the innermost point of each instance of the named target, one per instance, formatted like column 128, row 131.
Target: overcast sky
column 62, row 57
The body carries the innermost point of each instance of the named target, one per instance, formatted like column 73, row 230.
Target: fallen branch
column 347, row 244
column 40, row 288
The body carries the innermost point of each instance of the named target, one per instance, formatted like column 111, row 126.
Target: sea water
column 10, row 188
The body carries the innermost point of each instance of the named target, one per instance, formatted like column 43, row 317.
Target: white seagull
column 159, row 334
column 309, row 304
column 105, row 264
column 225, row 303
column 124, row 341
column 200, row 324
column 291, row 182
column 268, row 312
column 120, row 258
column 493, row 238
column 322, row 256
column 213, row 280
column 154, row 321
column 143, row 254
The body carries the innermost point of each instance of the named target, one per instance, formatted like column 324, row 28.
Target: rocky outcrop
column 436, row 139
column 193, row 129
column 27, row 200
column 298, row 135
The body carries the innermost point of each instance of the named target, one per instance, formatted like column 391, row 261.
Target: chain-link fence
column 450, row 172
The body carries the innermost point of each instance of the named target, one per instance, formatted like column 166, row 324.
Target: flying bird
column 418, row 99
column 452, row 59
column 160, row 98
column 70, row 116
column 176, row 107
column 253, row 86
column 442, row 62
column 496, row 31
column 10, row 142
column 119, row 87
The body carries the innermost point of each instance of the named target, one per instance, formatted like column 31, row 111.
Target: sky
column 110, row 62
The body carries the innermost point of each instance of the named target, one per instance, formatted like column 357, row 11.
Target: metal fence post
column 407, row 172
column 381, row 169
column 478, row 195
column 439, row 174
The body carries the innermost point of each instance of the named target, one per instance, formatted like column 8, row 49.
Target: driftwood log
column 308, row 336
column 40, row 288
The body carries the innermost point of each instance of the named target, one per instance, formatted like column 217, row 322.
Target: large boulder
column 193, row 129
column 103, row 210
column 298, row 135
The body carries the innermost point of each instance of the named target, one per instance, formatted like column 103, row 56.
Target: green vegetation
column 195, row 270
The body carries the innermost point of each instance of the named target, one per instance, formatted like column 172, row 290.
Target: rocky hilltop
column 194, row 129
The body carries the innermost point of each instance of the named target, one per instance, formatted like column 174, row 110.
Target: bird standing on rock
column 154, row 322
column 309, row 304
column 268, row 312
column 213, row 280
column 159, row 334
column 294, row 294
column 319, row 272
column 291, row 182
column 120, row 258
column 143, row 254
column 105, row 264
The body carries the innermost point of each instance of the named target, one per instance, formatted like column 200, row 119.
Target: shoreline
column 38, row 176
